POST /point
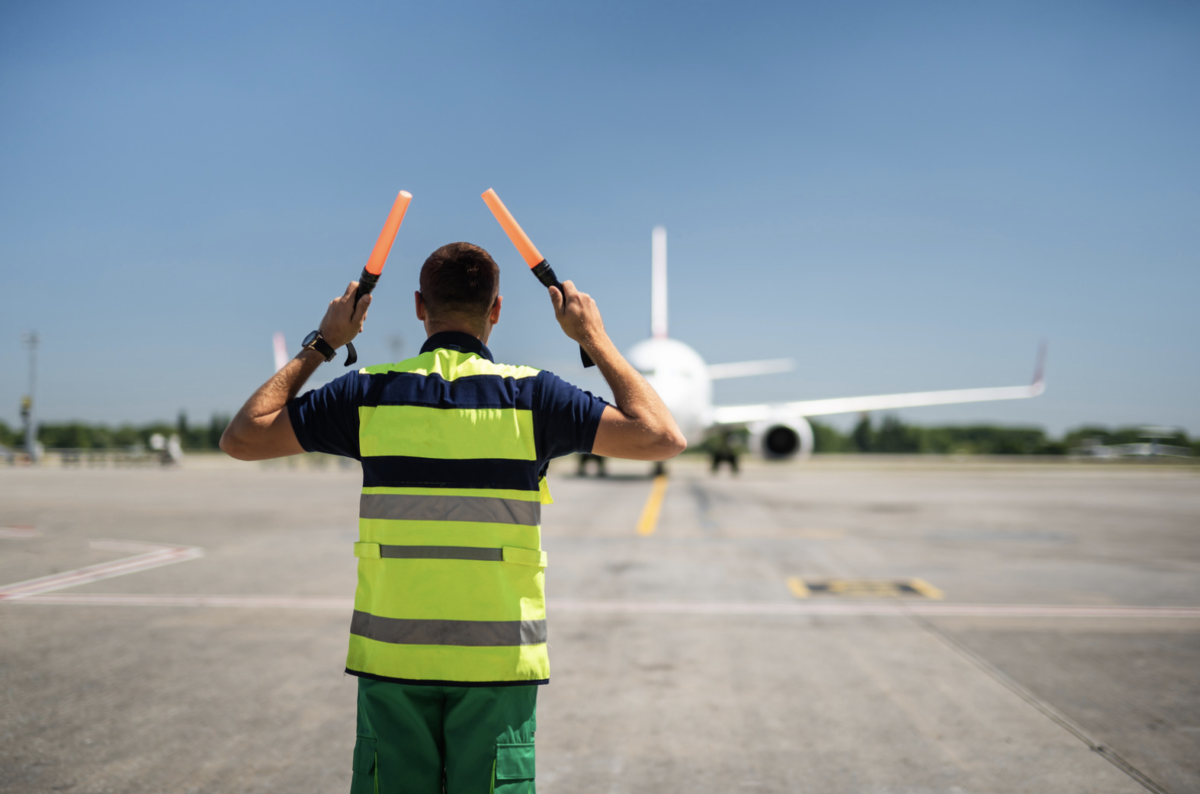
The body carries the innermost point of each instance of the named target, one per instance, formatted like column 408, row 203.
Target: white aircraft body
column 777, row 430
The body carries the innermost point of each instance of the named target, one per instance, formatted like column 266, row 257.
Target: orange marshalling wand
column 528, row 251
column 379, row 255
column 520, row 239
column 383, row 245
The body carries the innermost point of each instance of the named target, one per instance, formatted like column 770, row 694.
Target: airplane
column 777, row 431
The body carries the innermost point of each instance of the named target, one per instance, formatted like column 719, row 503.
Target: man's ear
column 420, row 305
column 494, row 314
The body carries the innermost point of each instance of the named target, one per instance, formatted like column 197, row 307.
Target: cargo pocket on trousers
column 363, row 781
column 514, row 768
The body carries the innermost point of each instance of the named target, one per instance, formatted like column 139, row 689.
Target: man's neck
column 431, row 329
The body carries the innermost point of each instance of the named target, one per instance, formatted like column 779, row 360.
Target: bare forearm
column 634, row 397
column 640, row 427
column 632, row 394
column 283, row 386
column 248, row 436
column 262, row 429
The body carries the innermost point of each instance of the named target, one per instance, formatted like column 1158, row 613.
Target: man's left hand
column 343, row 320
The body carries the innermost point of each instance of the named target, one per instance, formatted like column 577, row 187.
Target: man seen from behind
column 448, row 635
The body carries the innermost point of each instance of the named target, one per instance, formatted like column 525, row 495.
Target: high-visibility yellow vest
column 451, row 572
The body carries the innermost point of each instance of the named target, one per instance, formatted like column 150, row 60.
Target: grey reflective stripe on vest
column 475, row 633
column 440, row 553
column 414, row 507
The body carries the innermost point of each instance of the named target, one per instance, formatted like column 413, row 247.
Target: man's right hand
column 639, row 426
column 578, row 315
column 343, row 319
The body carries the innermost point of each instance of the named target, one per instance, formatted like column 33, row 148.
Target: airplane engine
column 781, row 439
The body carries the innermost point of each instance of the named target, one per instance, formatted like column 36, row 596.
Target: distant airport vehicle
column 1152, row 447
column 777, row 431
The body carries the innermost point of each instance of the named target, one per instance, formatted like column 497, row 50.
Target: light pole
column 30, row 338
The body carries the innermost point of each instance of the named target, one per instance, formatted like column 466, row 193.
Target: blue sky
column 900, row 196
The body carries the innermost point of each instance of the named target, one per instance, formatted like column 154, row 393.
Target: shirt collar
column 457, row 340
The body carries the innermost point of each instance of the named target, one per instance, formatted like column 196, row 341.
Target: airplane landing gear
column 660, row 469
column 584, row 458
column 724, row 457
column 724, row 449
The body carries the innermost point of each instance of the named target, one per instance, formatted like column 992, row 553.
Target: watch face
column 308, row 340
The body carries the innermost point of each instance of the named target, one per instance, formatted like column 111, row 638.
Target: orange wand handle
column 379, row 254
column 528, row 251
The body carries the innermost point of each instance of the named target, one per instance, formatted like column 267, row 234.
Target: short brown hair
column 460, row 278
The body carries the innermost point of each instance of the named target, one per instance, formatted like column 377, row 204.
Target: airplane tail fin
column 658, row 283
column 281, row 356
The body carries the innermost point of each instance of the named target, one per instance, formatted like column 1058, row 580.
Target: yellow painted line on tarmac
column 649, row 520
column 926, row 589
column 864, row 588
column 798, row 587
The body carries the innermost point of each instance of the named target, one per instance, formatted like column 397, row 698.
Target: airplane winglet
column 745, row 369
column 1039, row 370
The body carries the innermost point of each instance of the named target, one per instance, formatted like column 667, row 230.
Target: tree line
column 84, row 435
column 890, row 435
column 895, row 436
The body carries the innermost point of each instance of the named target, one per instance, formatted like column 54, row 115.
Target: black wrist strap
column 324, row 348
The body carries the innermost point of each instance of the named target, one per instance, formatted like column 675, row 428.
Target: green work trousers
column 456, row 739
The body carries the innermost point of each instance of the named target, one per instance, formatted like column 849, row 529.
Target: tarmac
column 865, row 624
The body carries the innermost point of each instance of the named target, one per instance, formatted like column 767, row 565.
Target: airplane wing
column 744, row 369
column 741, row 414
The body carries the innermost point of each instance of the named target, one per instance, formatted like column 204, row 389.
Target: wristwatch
column 314, row 341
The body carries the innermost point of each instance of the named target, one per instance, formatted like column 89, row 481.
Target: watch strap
column 321, row 346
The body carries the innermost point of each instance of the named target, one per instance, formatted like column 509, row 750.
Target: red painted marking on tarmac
column 18, row 531
column 148, row 555
column 245, row 601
